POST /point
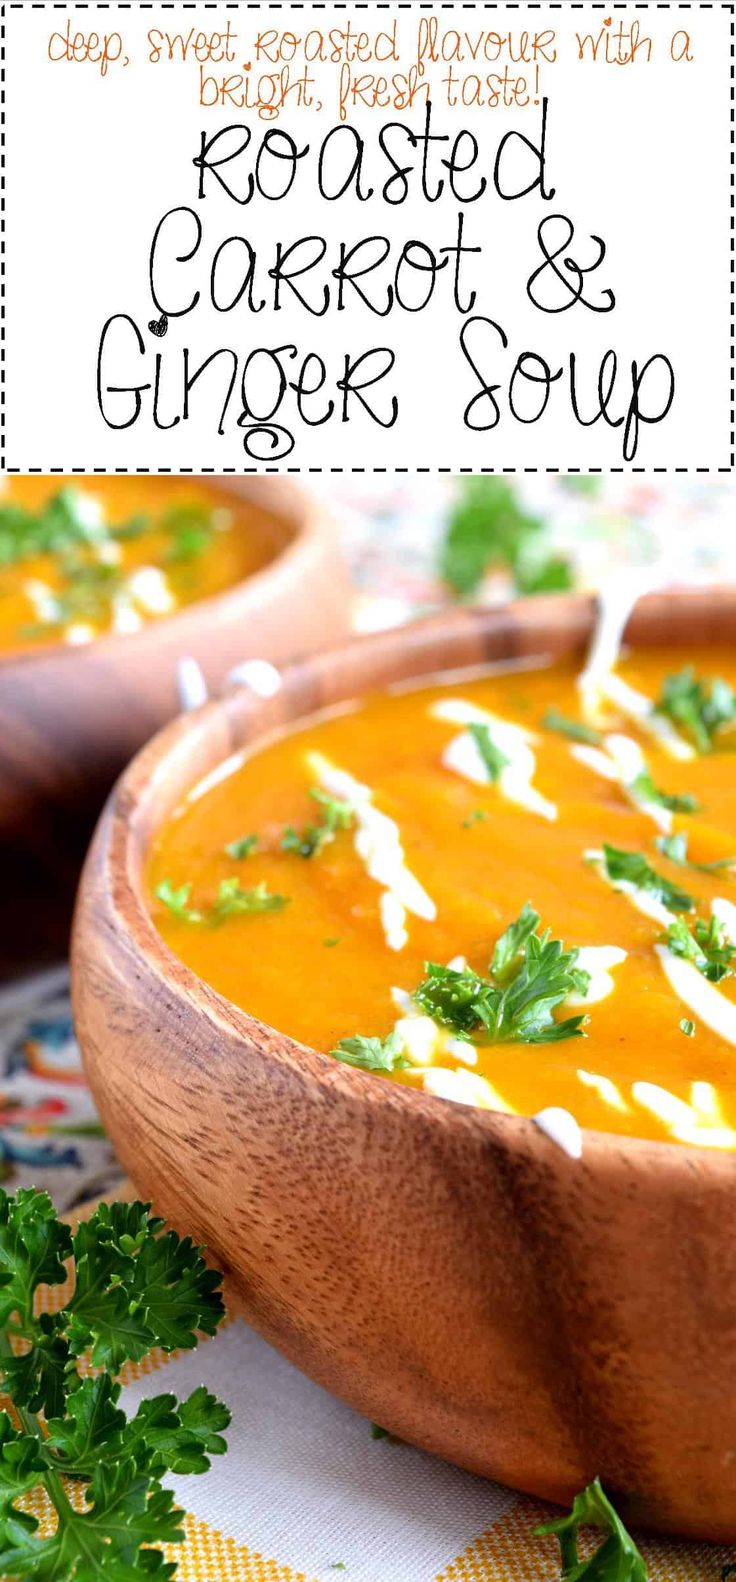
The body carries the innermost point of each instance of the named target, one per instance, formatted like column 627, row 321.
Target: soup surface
column 442, row 816
column 80, row 558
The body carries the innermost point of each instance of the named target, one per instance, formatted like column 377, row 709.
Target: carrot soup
column 516, row 891
column 82, row 558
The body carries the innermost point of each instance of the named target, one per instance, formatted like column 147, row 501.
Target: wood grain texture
column 71, row 718
column 448, row 1272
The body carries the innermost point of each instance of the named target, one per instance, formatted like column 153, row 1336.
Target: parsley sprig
column 644, row 787
column 371, row 1054
column 135, row 1286
column 616, row 1560
column 699, row 706
column 530, row 975
column 487, row 526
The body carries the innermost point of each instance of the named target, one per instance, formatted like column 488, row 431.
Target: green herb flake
column 330, row 944
column 616, row 1560
column 371, row 1054
column 687, row 1027
column 530, row 976
column 574, row 730
column 240, row 849
column 706, row 946
column 701, row 707
column 336, row 815
column 493, row 759
column 478, row 816
column 631, row 867
column 232, row 900
column 675, row 847
column 135, row 1286
column 644, row 788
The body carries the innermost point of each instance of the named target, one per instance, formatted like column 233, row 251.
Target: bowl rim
column 117, row 856
column 307, row 518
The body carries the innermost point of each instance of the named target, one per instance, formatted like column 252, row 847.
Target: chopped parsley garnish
column 643, row 786
column 134, row 1286
column 372, row 1054
column 330, row 943
column 239, row 849
column 311, row 840
column 632, row 867
column 232, row 900
column 617, row 1559
column 478, row 816
column 687, row 1027
column 488, row 526
column 706, row 945
column 493, row 759
column 698, row 706
column 530, row 976
column 675, row 848
column 573, row 729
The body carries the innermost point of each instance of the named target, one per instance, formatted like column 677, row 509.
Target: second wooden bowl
column 71, row 718
column 447, row 1271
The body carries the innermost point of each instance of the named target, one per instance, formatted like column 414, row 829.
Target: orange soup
column 512, row 891
column 80, row 558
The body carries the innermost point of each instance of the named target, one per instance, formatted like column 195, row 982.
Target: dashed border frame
column 727, row 6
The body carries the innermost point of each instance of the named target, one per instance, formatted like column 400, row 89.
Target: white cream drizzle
column 597, row 682
column 604, row 1088
column 463, row 757
column 378, row 844
column 706, row 1001
column 462, row 1087
column 562, row 1129
column 149, row 588
column 699, row 1123
column 620, row 759
column 646, row 903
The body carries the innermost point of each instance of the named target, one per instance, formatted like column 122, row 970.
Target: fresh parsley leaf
column 687, row 1027
column 707, row 946
column 232, row 900
column 371, row 1054
column 336, row 815
column 488, row 526
column 135, row 1286
column 632, row 867
column 699, row 706
column 239, row 849
column 617, row 1559
column 575, row 730
column 493, row 759
column 643, row 786
column 675, row 847
column 530, row 976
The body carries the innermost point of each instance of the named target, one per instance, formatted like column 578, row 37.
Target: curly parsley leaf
column 616, row 1560
column 632, row 867
column 706, row 946
column 135, row 1286
column 177, row 901
column 371, row 1054
column 701, row 707
column 240, row 849
column 530, row 977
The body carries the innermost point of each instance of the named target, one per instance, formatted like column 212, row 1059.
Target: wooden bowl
column 71, row 718
column 449, row 1272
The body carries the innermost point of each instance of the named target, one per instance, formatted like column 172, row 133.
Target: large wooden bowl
column 71, row 718
column 449, row 1272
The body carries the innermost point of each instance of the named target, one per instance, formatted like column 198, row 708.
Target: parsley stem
column 30, row 1422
